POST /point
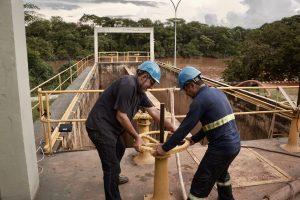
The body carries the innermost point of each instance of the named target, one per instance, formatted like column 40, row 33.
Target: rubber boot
column 225, row 192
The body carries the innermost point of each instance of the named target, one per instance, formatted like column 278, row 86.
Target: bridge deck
column 78, row 175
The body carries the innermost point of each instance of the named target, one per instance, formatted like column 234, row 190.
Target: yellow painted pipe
column 293, row 140
column 161, row 179
column 143, row 121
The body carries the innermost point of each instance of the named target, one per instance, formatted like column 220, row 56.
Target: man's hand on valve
column 159, row 151
column 190, row 140
column 138, row 143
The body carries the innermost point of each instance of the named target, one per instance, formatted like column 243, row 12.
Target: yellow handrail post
column 71, row 75
column 293, row 140
column 42, row 114
column 48, row 145
column 41, row 106
column 77, row 69
column 59, row 80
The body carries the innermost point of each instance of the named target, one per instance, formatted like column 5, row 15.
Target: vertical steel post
column 48, row 134
column 162, row 123
column 293, row 140
column 298, row 100
column 175, row 29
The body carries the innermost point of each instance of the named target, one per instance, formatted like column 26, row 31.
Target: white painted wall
column 18, row 164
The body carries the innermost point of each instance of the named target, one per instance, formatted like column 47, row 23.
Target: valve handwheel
column 151, row 146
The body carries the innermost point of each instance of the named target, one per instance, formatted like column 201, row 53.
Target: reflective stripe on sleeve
column 218, row 123
column 192, row 197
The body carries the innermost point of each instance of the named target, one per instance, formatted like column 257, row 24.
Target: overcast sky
column 230, row 13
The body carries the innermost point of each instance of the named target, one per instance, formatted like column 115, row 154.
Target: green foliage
column 271, row 52
column 42, row 46
column 268, row 53
column 30, row 14
column 39, row 70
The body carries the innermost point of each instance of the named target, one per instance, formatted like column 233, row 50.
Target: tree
column 269, row 53
column 39, row 70
column 30, row 14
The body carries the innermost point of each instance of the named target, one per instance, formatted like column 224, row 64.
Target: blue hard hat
column 152, row 69
column 188, row 73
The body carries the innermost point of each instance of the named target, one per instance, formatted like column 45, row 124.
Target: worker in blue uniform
column 211, row 107
column 112, row 115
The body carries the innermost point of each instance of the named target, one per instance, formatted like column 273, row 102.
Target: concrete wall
column 78, row 138
column 257, row 126
column 103, row 75
column 251, row 126
column 111, row 71
column 18, row 165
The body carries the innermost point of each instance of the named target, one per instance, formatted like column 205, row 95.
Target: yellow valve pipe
column 161, row 179
column 143, row 122
column 293, row 140
column 161, row 176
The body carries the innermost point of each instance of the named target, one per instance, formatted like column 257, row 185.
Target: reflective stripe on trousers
column 218, row 123
column 227, row 183
column 192, row 197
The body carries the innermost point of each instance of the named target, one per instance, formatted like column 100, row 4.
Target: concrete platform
column 78, row 175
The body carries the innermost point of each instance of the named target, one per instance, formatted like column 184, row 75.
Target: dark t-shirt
column 122, row 95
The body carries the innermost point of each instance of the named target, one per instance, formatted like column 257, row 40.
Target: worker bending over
column 211, row 107
column 112, row 115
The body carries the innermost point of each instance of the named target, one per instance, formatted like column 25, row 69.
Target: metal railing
column 51, row 137
column 60, row 80
column 129, row 56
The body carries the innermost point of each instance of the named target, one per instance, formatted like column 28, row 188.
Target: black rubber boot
column 225, row 192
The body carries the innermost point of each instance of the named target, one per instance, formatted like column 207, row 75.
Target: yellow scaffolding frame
column 51, row 138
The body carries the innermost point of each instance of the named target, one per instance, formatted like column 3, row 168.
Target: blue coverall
column 211, row 107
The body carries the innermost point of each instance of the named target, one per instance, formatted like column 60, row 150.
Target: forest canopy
column 271, row 52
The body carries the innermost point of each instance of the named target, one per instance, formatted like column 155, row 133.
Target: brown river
column 210, row 67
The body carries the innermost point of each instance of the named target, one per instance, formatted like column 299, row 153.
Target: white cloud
column 262, row 11
column 245, row 13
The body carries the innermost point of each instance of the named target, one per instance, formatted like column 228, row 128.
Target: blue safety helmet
column 152, row 69
column 188, row 73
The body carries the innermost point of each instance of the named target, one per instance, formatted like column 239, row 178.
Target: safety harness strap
column 192, row 197
column 218, row 123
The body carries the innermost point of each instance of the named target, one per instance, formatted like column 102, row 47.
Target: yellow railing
column 129, row 56
column 58, row 81
column 52, row 136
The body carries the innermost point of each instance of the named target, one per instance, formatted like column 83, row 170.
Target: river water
column 210, row 67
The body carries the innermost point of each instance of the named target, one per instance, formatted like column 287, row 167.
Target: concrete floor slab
column 78, row 175
column 242, row 168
